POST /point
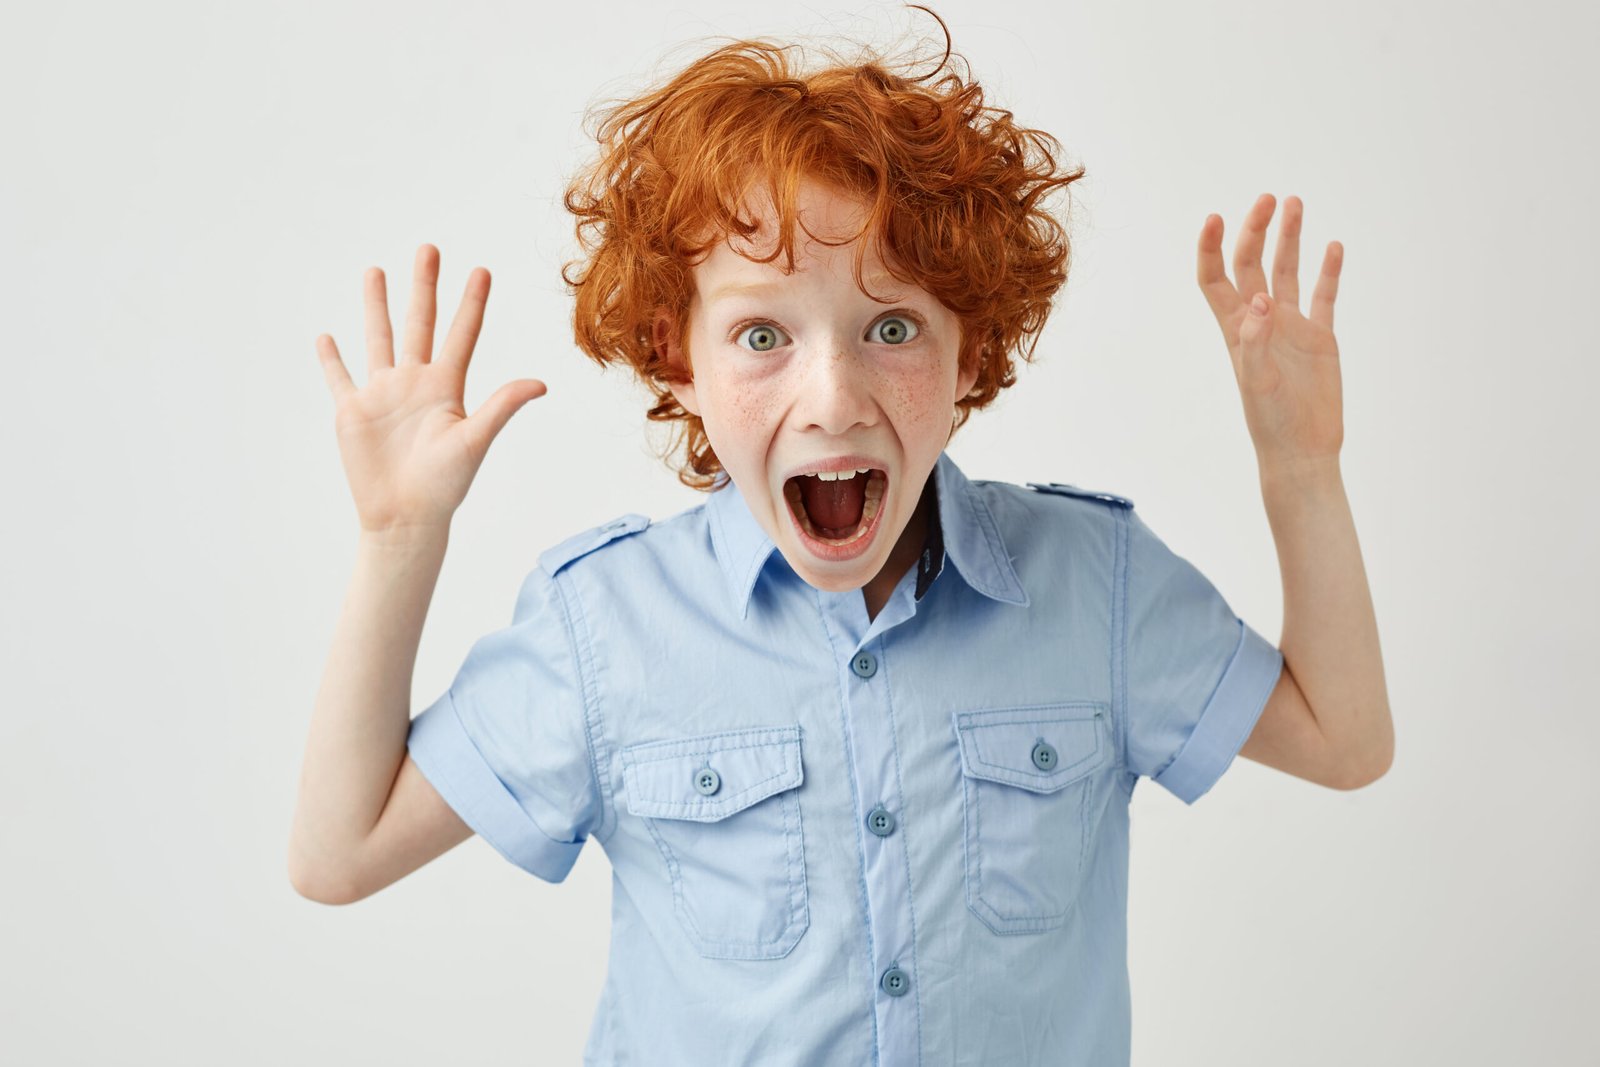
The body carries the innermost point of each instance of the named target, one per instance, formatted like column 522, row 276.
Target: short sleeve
column 1197, row 677
column 507, row 745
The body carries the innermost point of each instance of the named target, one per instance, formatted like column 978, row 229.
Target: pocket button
column 880, row 821
column 707, row 781
column 1044, row 757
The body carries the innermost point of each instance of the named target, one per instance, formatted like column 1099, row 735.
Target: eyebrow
column 740, row 289
column 762, row 288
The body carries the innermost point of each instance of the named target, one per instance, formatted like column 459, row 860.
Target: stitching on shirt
column 747, row 582
column 1207, row 753
column 1030, row 708
column 1083, row 840
column 855, row 802
column 798, row 912
column 980, row 515
column 1119, row 640
column 593, row 725
column 798, row 919
column 1050, row 782
column 785, row 771
column 480, row 806
column 769, row 735
column 972, row 791
column 969, row 844
column 905, row 851
column 786, row 742
column 980, row 905
column 748, row 577
column 970, row 724
column 719, row 536
column 799, row 905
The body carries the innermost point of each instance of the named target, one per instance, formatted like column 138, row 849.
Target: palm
column 410, row 449
column 402, row 450
column 1286, row 365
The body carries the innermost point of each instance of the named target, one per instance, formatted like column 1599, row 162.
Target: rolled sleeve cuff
column 451, row 762
column 1228, row 718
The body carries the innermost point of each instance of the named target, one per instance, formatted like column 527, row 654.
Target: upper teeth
column 837, row 476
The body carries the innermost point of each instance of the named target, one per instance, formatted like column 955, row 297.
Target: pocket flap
column 999, row 745
column 663, row 778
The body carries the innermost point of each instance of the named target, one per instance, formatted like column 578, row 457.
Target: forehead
column 726, row 275
column 826, row 236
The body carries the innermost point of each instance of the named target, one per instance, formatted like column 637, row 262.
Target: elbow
column 320, row 890
column 1367, row 768
column 306, row 887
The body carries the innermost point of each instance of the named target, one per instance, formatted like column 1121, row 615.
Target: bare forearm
column 363, row 708
column 1330, row 632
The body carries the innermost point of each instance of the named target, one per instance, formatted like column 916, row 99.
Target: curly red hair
column 953, row 191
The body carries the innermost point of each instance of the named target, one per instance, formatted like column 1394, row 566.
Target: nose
column 836, row 392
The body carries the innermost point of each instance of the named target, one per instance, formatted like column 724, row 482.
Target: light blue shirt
column 836, row 841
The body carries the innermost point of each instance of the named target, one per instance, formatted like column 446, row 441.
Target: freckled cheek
column 754, row 408
column 741, row 419
column 922, row 403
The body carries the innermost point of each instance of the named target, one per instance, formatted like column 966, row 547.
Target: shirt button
column 865, row 665
column 1044, row 757
column 880, row 821
column 707, row 781
column 895, row 982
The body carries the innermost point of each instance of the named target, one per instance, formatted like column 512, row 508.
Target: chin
column 831, row 581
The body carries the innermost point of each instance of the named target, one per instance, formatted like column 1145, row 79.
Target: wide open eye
column 894, row 329
column 764, row 336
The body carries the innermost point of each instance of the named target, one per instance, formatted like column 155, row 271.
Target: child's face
column 804, row 372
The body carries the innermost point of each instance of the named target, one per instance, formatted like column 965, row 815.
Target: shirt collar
column 967, row 537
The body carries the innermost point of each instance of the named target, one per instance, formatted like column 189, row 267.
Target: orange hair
column 953, row 191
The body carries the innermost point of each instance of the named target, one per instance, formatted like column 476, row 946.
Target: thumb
column 485, row 424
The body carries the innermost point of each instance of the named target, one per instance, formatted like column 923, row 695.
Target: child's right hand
column 410, row 451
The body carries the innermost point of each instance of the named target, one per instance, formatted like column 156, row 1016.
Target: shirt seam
column 1119, row 637
column 593, row 724
column 445, row 781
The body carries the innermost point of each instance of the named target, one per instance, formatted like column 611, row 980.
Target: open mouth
column 837, row 508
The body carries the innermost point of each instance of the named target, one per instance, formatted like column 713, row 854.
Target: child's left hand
column 1287, row 364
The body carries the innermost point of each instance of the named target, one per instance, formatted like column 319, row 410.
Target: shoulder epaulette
column 558, row 556
column 1072, row 490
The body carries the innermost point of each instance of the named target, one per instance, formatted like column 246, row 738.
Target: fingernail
column 1259, row 304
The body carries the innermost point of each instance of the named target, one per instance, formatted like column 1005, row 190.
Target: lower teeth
column 869, row 511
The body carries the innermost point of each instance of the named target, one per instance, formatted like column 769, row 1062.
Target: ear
column 967, row 378
column 665, row 341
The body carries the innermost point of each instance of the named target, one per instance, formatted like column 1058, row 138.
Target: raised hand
column 1286, row 363
column 410, row 450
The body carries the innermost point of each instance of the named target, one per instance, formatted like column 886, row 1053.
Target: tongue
column 834, row 507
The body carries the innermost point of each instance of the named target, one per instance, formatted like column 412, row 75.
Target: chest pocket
column 724, row 812
column 1030, row 801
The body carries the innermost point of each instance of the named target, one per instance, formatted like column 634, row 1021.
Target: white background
column 190, row 195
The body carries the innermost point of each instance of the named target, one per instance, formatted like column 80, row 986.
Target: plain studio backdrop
column 191, row 195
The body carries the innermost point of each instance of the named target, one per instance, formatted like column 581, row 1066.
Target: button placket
column 871, row 733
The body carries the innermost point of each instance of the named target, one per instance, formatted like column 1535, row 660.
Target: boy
column 857, row 734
